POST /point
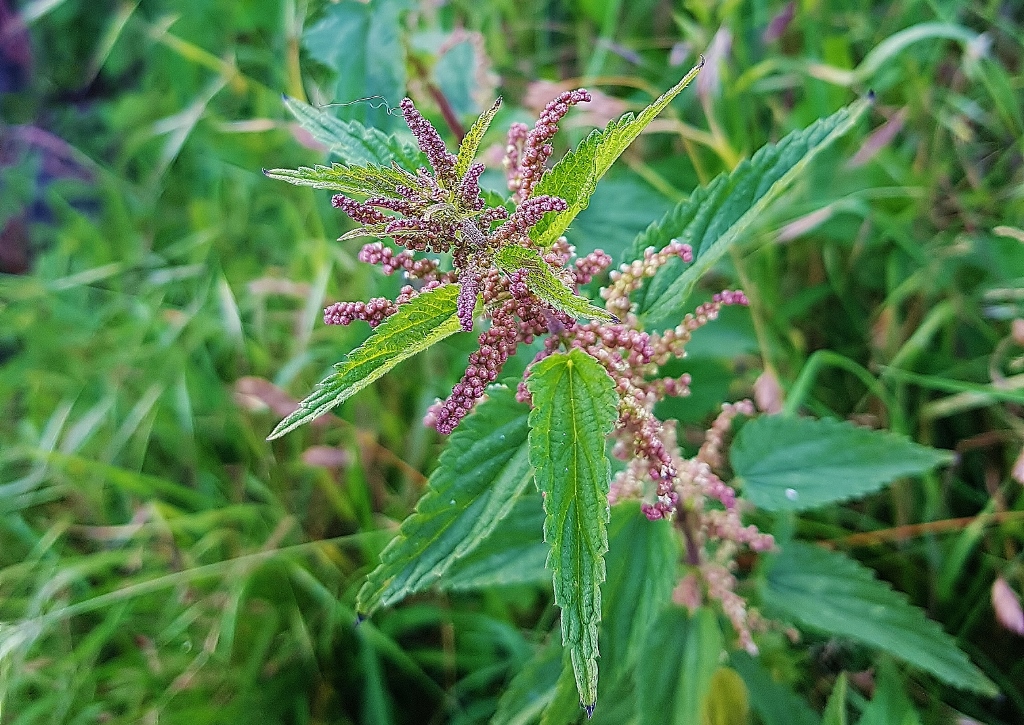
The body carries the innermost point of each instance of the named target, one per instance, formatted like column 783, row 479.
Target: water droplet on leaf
column 791, row 494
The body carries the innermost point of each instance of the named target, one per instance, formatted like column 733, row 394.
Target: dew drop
column 791, row 494
column 452, row 502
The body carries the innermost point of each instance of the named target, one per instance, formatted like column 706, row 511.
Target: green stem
column 918, row 342
column 821, row 359
column 596, row 63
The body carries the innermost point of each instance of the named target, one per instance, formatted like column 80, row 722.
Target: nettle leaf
column 681, row 654
column 575, row 177
column 786, row 463
column 513, row 553
column 575, row 408
column 641, row 573
column 426, row 319
column 482, row 471
column 544, row 283
column 352, row 142
column 471, row 141
column 831, row 593
column 716, row 216
column 365, row 180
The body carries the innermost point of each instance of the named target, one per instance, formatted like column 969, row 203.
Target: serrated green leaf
column 513, row 553
column 716, row 216
column 426, row 319
column 575, row 407
column 774, row 702
column 478, row 478
column 788, row 463
column 831, row 593
column 533, row 687
column 681, row 654
column 364, row 180
column 835, row 710
column 641, row 573
column 353, row 143
column 575, row 177
column 544, row 283
column 471, row 141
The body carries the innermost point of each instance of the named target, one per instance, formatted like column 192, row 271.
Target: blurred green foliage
column 160, row 302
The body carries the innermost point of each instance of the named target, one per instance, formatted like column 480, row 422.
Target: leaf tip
column 276, row 433
column 360, row 618
column 589, row 709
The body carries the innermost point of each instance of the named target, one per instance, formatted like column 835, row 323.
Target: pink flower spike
column 430, row 143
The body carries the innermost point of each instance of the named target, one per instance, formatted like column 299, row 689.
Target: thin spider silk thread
column 367, row 99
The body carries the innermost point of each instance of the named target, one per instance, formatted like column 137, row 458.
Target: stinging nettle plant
column 643, row 560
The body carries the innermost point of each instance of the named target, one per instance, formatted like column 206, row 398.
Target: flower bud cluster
column 441, row 213
column 516, row 317
column 590, row 266
column 373, row 312
column 630, row 277
column 377, row 253
column 527, row 152
column 431, row 144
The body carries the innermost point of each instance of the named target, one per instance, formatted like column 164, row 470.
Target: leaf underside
column 716, row 216
column 426, row 319
column 831, row 593
column 353, row 143
column 788, row 463
column 369, row 180
column 479, row 477
column 513, row 553
column 575, row 407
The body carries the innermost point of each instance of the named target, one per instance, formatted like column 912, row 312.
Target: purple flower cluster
column 527, row 152
column 431, row 144
column 439, row 212
column 516, row 317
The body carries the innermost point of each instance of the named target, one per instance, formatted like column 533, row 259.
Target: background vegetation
column 160, row 303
